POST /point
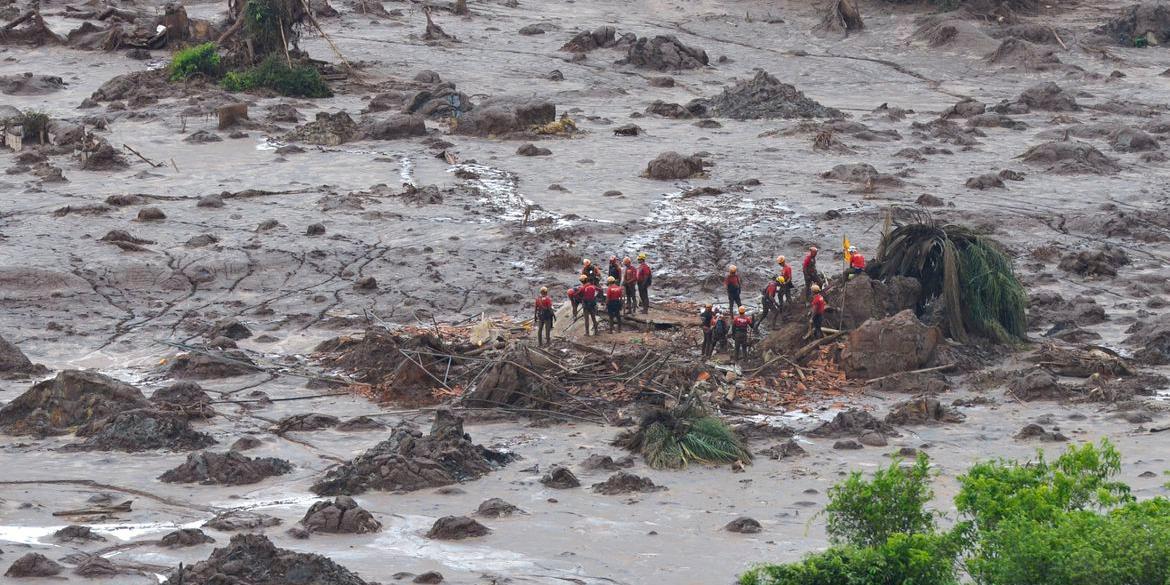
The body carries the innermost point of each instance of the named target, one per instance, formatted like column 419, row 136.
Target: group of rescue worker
column 627, row 288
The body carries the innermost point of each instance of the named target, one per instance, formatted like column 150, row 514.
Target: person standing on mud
column 771, row 292
column 707, row 322
column 630, row 283
column 615, row 270
column 589, row 294
column 733, row 284
column 544, row 317
column 818, row 308
column 720, row 333
column 785, row 296
column 575, row 295
column 740, row 328
column 811, row 275
column 613, row 304
column 591, row 272
column 644, row 280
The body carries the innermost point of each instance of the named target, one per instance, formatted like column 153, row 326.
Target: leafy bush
column 34, row 125
column 673, row 439
column 917, row 559
column 199, row 59
column 867, row 513
column 275, row 74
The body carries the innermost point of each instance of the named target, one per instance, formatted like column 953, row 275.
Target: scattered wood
column 97, row 510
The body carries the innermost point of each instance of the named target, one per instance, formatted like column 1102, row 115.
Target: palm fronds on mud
column 969, row 272
column 673, row 439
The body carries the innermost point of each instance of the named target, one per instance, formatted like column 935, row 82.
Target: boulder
column 342, row 515
column 13, row 361
column 71, row 399
column 496, row 508
column 923, row 410
column 1102, row 262
column 505, row 118
column 887, row 346
column 393, row 127
column 560, row 478
column 1151, row 338
column 851, row 423
column 229, row 328
column 456, row 528
column 664, row 53
column 671, row 165
column 239, row 520
column 744, row 525
column 1037, row 384
column 33, row 565
column 866, row 298
column 765, row 97
column 327, row 130
column 185, row 537
column 624, row 482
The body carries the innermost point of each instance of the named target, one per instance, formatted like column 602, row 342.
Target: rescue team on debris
column 627, row 288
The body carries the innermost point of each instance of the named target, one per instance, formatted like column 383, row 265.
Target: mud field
column 1038, row 127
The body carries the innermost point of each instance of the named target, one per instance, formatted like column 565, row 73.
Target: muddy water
column 70, row 301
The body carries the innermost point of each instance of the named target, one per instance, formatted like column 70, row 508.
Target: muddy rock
column 602, row 37
column 503, row 117
column 986, row 181
column 342, row 515
column 624, row 482
column 151, row 214
column 1038, row 384
column 327, row 130
column 887, row 346
column 1151, row 338
column 229, row 468
column 1049, row 97
column 789, row 448
column 360, row 423
column 315, row 229
column 210, row 366
column 33, row 565
column 78, row 534
column 928, row 200
column 560, row 478
column 237, row 520
column 456, row 528
column 496, row 508
column 312, row 421
column 95, row 567
column 282, row 113
column 393, row 127
column 229, row 328
column 202, row 137
column 440, row 101
column 185, row 537
column 867, row 298
column 1103, row 262
column 664, row 53
column 744, row 525
column 141, row 430
column 409, row 461
column 597, row 462
column 1035, row 431
column 1070, row 158
column 30, row 84
column 73, row 398
column 210, row 202
column 530, row 149
column 1136, row 20
column 848, row 445
column 1130, row 139
column 851, row 423
column 669, row 110
column 252, row 559
column 245, row 443
column 1019, row 54
column 921, row 411
column 670, row 166
column 763, row 97
column 863, row 174
column 13, row 361
column 871, row 439
column 910, row 383
column 429, row 577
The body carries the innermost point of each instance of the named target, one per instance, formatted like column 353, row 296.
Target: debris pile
column 14, row 362
column 602, row 37
column 887, row 346
column 764, row 96
column 670, row 166
column 71, row 399
column 664, row 53
column 1146, row 23
column 341, row 515
column 229, row 468
column 408, row 367
column 923, row 410
column 456, row 528
column 253, row 559
column 507, row 118
column 184, row 398
column 624, row 482
column 141, row 430
column 1071, row 158
column 410, row 460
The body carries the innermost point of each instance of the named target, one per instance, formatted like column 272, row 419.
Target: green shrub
column 199, row 59
column 34, row 125
column 867, row 513
column 917, row 559
column 275, row 74
column 686, row 434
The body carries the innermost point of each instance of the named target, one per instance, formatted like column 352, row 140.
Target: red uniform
column 741, row 323
column 613, row 293
column 643, row 273
column 574, row 293
column 818, row 304
column 786, row 273
column 808, row 259
column 857, row 261
column 543, row 303
column 589, row 292
column 631, row 275
column 770, row 291
column 732, row 280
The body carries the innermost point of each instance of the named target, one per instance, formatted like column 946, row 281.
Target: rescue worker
column 615, row 270
column 592, row 274
column 645, row 278
column 707, row 320
column 630, row 283
column 721, row 330
column 589, row 294
column 818, row 307
column 613, row 304
column 856, row 262
column 740, row 327
column 771, row 293
column 811, row 275
column 575, row 295
column 786, row 272
column 544, row 317
column 733, row 284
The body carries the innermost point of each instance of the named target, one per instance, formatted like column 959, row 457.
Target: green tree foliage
column 904, row 559
column 275, row 74
column 199, row 59
column 270, row 24
column 676, row 438
column 867, row 513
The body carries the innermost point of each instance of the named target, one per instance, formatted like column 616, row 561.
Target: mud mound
column 456, row 528
column 1038, row 384
column 29, row 84
column 252, row 559
column 670, row 166
column 409, row 461
column 1139, row 21
column 33, row 565
column 361, row 423
column 77, row 533
column 29, row 29
column 229, row 468
column 597, row 462
column 210, row 366
column 954, row 34
column 506, row 118
column 237, row 520
column 185, row 537
column 1152, row 340
column 1048, row 97
column 184, row 398
column 1035, row 431
column 866, row 298
column 765, row 97
column 137, row 87
column 560, row 478
column 965, row 109
column 377, row 358
column 438, row 102
column 851, row 423
column 624, row 482
column 1129, row 139
column 342, row 515
column 789, row 448
column 1020, row 54
column 229, row 328
column 744, row 525
column 664, row 53
column 602, row 37
column 312, row 421
column 141, row 430
column 1103, row 262
column 496, row 508
column 13, row 361
column 393, row 127
column 72, row 398
column 921, row 411
column 327, row 130
column 1071, row 158
column 888, row 346
column 97, row 567
column 510, row 382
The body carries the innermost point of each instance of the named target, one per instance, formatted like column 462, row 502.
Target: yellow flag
column 845, row 248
